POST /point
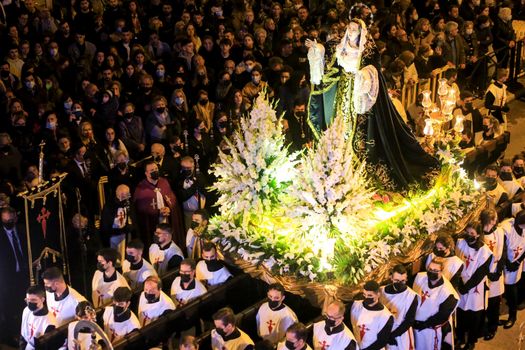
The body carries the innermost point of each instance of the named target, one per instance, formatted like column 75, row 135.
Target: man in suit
column 168, row 166
column 13, row 273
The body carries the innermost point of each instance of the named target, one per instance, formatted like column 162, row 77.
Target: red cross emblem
column 146, row 319
column 517, row 252
column 42, row 219
column 113, row 334
column 120, row 216
column 270, row 324
column 491, row 245
column 362, row 330
column 468, row 259
column 324, row 345
column 55, row 311
column 32, row 331
column 100, row 297
column 424, row 296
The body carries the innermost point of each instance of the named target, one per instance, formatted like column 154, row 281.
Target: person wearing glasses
column 332, row 333
column 401, row 300
column 371, row 321
column 437, row 302
column 185, row 287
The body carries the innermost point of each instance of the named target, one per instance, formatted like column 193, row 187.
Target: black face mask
column 490, row 183
column 160, row 110
column 100, row 267
column 32, row 306
column 157, row 158
column 9, row 225
column 368, row 301
column 185, row 278
column 439, row 253
column 220, row 332
column 4, row 74
column 213, row 265
column 4, row 148
column 289, row 345
column 273, row 304
column 463, row 144
column 154, row 175
column 203, row 101
column 300, row 114
column 186, row 173
column 177, row 149
column 146, row 89
column 130, row 258
column 118, row 310
column 505, row 176
column 121, row 165
column 129, row 115
column 519, row 171
column 330, row 323
column 222, row 125
column 50, row 289
column 156, row 240
column 471, row 240
column 485, row 128
column 432, row 275
column 150, row 297
column 194, row 225
column 399, row 286
column 124, row 204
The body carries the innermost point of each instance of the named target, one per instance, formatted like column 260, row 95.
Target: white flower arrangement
column 314, row 217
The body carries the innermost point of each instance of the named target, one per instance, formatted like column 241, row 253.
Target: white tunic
column 272, row 325
column 161, row 257
column 212, row 278
column 429, row 300
column 34, row 326
column 323, row 341
column 474, row 300
column 136, row 278
column 515, row 247
column 282, row 346
column 185, row 295
column 512, row 187
column 149, row 312
column 500, row 94
column 399, row 304
column 64, row 310
column 240, row 343
column 451, row 265
column 495, row 241
column 517, row 207
column 495, row 194
column 367, row 323
column 102, row 291
column 117, row 330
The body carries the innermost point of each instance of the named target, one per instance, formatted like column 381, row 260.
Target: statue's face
column 353, row 31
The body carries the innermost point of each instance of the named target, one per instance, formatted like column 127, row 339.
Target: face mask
column 179, row 101
column 471, row 239
column 256, row 80
column 289, row 345
column 118, row 310
column 150, row 297
column 160, row 110
column 432, row 275
column 68, row 105
column 121, row 165
column 186, row 172
column 51, row 125
column 203, row 101
column 399, row 285
column 468, row 31
column 9, row 225
column 194, row 225
column 30, row 84
column 222, row 125
column 50, row 289
column 185, row 278
column 220, row 332
column 519, row 171
column 53, row 52
column 486, row 128
column 330, row 323
column 273, row 304
column 506, row 176
column 4, row 74
column 156, row 240
column 129, row 116
column 100, row 267
column 490, row 183
column 123, row 203
column 439, row 253
column 160, row 73
column 368, row 301
column 157, row 158
column 32, row 306
column 300, row 114
column 154, row 175
column 146, row 89
column 130, row 258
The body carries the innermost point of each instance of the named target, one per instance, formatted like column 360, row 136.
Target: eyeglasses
column 333, row 318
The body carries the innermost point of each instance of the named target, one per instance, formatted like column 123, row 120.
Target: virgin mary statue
column 352, row 86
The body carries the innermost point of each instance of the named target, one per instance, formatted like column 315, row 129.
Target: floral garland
column 317, row 217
